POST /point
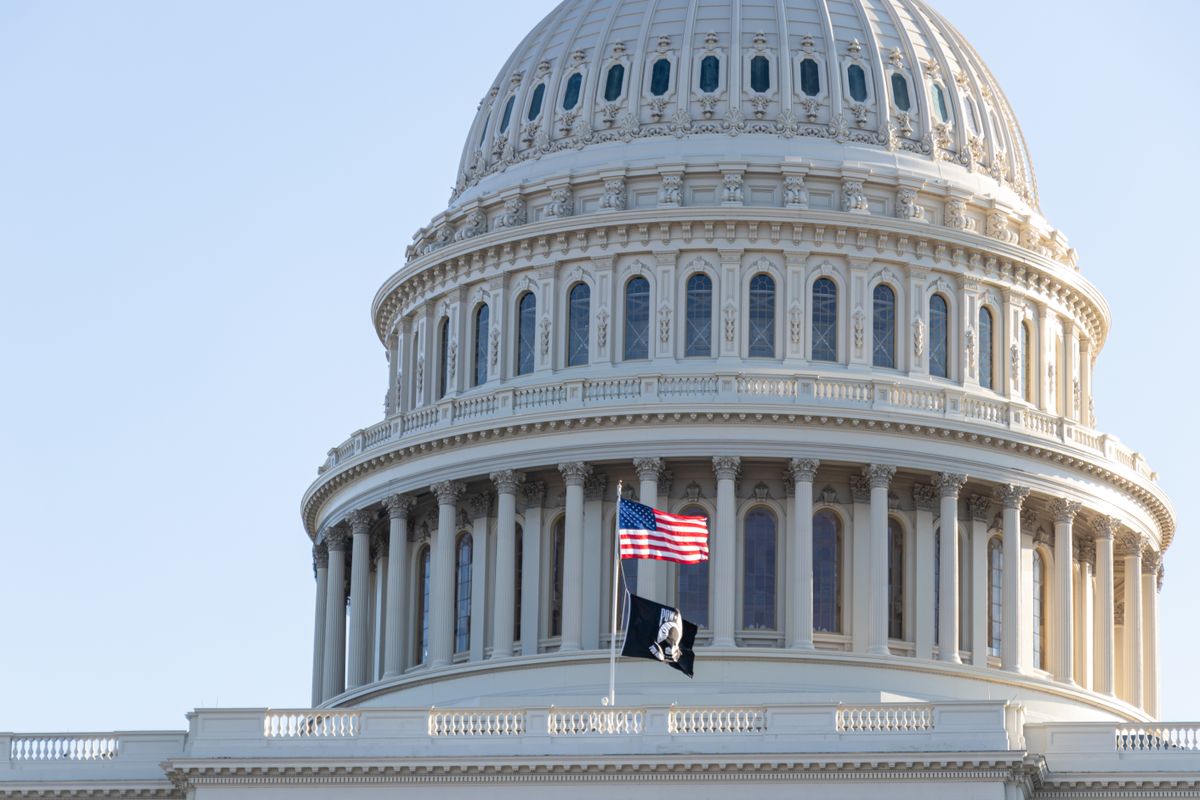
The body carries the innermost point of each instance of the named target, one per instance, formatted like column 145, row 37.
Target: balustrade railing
column 476, row 722
column 67, row 747
column 894, row 718
column 1158, row 738
column 604, row 722
column 613, row 389
column 716, row 720
column 310, row 724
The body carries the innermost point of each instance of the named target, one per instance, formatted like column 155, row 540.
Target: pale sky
column 198, row 201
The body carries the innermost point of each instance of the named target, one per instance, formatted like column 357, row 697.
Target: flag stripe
column 646, row 532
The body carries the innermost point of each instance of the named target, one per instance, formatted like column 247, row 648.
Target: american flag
column 649, row 533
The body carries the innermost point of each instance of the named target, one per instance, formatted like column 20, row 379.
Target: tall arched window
column 762, row 316
column 895, row 580
column 577, row 324
column 760, row 74
column 481, row 345
column 698, row 333
column 535, row 103
column 758, row 571
column 507, row 116
column 557, row 545
column 693, row 584
column 884, row 351
column 857, row 79
column 422, row 644
column 939, row 337
column 987, row 375
column 937, row 585
column 462, row 594
column 900, row 92
column 939, row 102
column 1039, row 610
column 637, row 319
column 827, row 573
column 810, row 78
column 710, row 73
column 417, row 389
column 995, row 594
column 660, row 77
column 614, row 82
column 518, row 572
column 571, row 95
column 526, row 332
column 824, row 320
column 443, row 357
column 1027, row 361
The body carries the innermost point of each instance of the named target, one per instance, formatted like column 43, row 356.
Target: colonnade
column 1098, row 625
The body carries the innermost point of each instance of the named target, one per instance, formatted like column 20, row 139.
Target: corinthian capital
column 480, row 503
column 574, row 473
column 1151, row 560
column 448, row 492
column 924, row 496
column 337, row 538
column 1064, row 510
column 320, row 555
column 978, row 506
column 507, row 480
column 648, row 469
column 804, row 470
column 727, row 467
column 1012, row 495
column 880, row 475
column 949, row 483
column 595, row 486
column 360, row 521
column 399, row 505
column 1130, row 544
column 1107, row 527
column 534, row 492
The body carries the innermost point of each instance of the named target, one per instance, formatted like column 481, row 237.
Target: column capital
column 804, row 470
column 924, row 496
column 399, row 506
column 727, row 467
column 574, row 473
column 880, row 475
column 1064, row 510
column 949, row 483
column 1159, row 582
column 534, row 493
column 595, row 486
column 337, row 538
column 360, row 521
column 1085, row 550
column 1012, row 495
column 480, row 504
column 507, row 480
column 1151, row 560
column 860, row 488
column 979, row 506
column 648, row 469
column 1107, row 527
column 1130, row 543
column 448, row 492
column 320, row 552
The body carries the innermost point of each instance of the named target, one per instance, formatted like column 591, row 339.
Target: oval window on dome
column 810, row 78
column 571, row 95
column 660, row 77
column 483, row 132
column 900, row 92
column 857, row 79
column 614, row 82
column 535, row 105
column 710, row 73
column 939, row 100
column 507, row 116
column 760, row 74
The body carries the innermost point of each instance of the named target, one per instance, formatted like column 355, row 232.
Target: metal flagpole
column 611, row 700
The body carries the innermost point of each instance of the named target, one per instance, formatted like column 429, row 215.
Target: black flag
column 660, row 633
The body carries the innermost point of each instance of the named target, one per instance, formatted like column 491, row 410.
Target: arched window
column 693, row 584
column 571, row 95
column 535, row 104
column 995, row 594
column 1027, row 361
column 423, row 606
column 507, row 116
column 443, row 357
column 577, row 324
column 462, row 594
column 526, row 332
column 939, row 101
column 937, row 586
column 939, row 337
column 518, row 573
column 557, row 545
column 987, row 377
column 698, row 333
column 895, row 580
column 760, row 74
column 884, row 351
column 758, row 571
column 1039, row 610
column 710, row 73
column 824, row 320
column 762, row 316
column 416, row 358
column 827, row 572
column 637, row 319
column 810, row 77
column 660, row 77
column 481, row 345
column 900, row 92
column 483, row 131
column 857, row 79
column 614, row 82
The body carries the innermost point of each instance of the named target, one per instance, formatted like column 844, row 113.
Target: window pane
column 885, row 327
column 858, row 82
column 660, row 77
column 444, row 357
column 760, row 74
column 577, row 325
column 939, row 100
column 938, row 337
column 986, row 376
column 937, row 585
column 699, row 316
column 995, row 594
column 526, row 332
column 824, row 320
column 1039, row 656
column 507, row 114
column 517, row 575
column 693, row 585
column 900, row 92
column 571, row 96
column 637, row 319
column 810, row 78
column 710, row 73
column 423, row 611
column 481, row 345
column 483, row 131
column 616, row 78
column 758, row 571
column 462, row 596
column 895, row 580
column 556, row 578
column 762, row 317
column 827, row 560
column 1027, row 361
column 535, row 105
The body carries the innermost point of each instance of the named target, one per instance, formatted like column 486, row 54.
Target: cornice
column 92, row 789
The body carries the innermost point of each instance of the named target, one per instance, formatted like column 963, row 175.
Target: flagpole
column 611, row 700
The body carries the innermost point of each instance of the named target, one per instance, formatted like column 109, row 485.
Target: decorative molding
column 804, row 470
column 924, row 496
column 447, row 492
column 727, row 467
column 507, row 480
column 949, row 483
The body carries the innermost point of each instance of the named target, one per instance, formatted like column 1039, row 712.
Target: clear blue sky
column 197, row 203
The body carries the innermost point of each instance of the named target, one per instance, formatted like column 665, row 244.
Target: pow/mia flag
column 660, row 633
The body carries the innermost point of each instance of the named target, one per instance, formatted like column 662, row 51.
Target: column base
column 879, row 651
column 569, row 647
column 952, row 659
column 723, row 643
column 806, row 647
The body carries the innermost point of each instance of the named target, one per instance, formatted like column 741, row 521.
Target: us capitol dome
column 779, row 263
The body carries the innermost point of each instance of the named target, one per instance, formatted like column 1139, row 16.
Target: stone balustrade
column 310, row 723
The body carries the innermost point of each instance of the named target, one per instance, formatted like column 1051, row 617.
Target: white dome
column 885, row 83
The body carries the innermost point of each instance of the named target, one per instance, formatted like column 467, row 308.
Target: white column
column 800, row 551
column 859, row 553
column 531, row 566
column 949, row 486
column 980, row 508
column 1064, row 592
column 1105, row 681
column 358, row 669
column 880, row 476
column 321, row 570
column 651, row 576
column 724, row 551
column 479, row 504
column 333, row 674
column 1086, row 623
column 398, row 506
column 504, row 590
column 441, row 575
column 574, row 474
column 924, row 499
column 1131, row 549
column 1012, row 496
column 1151, row 566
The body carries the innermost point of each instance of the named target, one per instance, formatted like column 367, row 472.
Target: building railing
column 885, row 718
column 66, row 747
column 1158, row 738
column 476, row 722
column 310, row 723
column 684, row 721
column 602, row 721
